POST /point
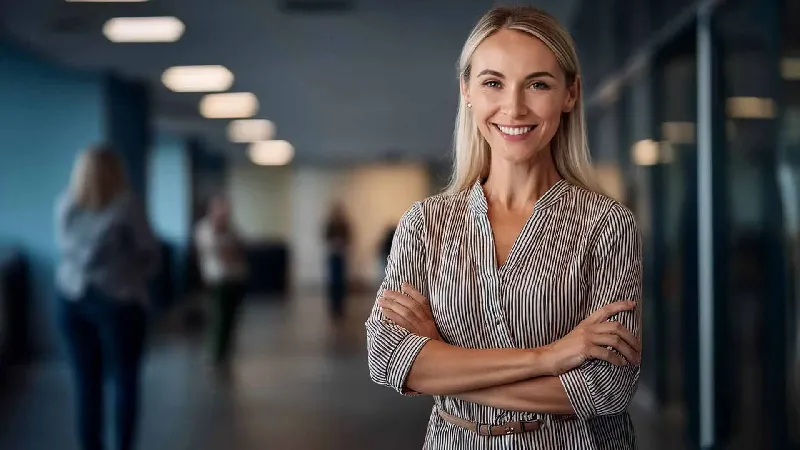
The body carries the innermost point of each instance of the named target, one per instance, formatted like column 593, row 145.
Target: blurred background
column 288, row 108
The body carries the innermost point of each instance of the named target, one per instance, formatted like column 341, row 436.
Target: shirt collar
column 477, row 198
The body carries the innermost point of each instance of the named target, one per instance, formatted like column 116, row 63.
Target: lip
column 515, row 137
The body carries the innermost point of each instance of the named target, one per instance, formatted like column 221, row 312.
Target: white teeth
column 514, row 131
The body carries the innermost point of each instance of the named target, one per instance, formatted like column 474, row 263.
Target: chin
column 519, row 154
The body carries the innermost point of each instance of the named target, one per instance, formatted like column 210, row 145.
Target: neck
column 516, row 186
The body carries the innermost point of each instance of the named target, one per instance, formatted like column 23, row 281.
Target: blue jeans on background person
column 105, row 338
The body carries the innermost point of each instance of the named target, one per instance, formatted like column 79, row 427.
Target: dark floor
column 299, row 383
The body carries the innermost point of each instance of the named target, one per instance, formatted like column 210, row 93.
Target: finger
column 618, row 344
column 604, row 313
column 404, row 306
column 620, row 330
column 415, row 294
column 411, row 305
column 605, row 354
column 398, row 319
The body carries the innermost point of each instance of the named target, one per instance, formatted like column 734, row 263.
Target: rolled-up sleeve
column 600, row 388
column 391, row 348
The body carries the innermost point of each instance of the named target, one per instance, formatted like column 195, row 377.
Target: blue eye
column 492, row 83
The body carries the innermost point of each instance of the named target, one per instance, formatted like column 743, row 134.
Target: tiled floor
column 299, row 383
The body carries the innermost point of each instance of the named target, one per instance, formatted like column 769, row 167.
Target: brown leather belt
column 484, row 429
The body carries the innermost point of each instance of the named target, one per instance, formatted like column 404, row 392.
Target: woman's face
column 518, row 94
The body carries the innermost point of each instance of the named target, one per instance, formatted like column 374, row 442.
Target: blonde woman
column 107, row 255
column 514, row 298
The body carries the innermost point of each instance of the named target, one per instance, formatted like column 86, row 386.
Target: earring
column 469, row 105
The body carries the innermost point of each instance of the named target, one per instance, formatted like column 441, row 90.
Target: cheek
column 549, row 114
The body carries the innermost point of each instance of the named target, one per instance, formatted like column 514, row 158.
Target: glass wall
column 645, row 116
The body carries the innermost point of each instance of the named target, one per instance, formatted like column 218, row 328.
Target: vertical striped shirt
column 577, row 252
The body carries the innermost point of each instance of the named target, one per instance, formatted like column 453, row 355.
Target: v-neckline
column 481, row 204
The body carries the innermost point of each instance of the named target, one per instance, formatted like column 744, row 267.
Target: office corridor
column 299, row 383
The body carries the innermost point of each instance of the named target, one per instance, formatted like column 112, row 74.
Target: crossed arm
column 532, row 380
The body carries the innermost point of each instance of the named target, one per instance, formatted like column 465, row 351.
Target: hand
column 592, row 338
column 411, row 310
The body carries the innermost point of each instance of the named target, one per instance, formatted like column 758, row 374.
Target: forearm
column 443, row 369
column 542, row 395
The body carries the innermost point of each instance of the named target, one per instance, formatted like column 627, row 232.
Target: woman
column 107, row 255
column 224, row 269
column 502, row 297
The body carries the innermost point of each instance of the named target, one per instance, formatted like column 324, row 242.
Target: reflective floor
column 298, row 383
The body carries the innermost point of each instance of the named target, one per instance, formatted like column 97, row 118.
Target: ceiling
column 372, row 81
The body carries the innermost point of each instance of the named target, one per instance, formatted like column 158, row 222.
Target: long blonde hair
column 98, row 177
column 568, row 146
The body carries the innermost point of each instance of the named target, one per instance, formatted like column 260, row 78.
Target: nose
column 514, row 104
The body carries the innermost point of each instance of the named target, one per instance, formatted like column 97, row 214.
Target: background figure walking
column 107, row 256
column 337, row 239
column 224, row 270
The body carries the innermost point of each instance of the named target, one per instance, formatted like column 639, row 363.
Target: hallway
column 299, row 384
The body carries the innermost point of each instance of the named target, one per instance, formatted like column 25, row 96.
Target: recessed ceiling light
column 250, row 130
column 645, row 153
column 230, row 105
column 790, row 68
column 143, row 29
column 271, row 153
column 197, row 78
column 750, row 108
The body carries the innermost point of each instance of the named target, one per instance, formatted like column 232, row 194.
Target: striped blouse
column 577, row 252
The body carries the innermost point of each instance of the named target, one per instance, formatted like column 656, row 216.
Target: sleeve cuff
column 578, row 393
column 402, row 360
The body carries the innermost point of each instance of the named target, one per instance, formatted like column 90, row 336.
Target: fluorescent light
column 271, row 153
column 143, row 29
column 230, row 105
column 750, row 108
column 250, row 130
column 197, row 78
column 645, row 153
column 790, row 68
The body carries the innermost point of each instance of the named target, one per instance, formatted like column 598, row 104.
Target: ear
column 464, row 89
column 573, row 93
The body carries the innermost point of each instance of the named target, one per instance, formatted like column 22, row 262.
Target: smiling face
column 518, row 93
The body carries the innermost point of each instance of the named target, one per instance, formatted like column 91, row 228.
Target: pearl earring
column 469, row 105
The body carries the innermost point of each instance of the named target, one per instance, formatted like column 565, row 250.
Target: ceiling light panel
column 143, row 29
column 250, row 130
column 229, row 105
column 271, row 153
column 197, row 78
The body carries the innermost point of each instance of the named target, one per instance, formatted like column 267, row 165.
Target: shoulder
column 437, row 209
column 64, row 203
column 608, row 215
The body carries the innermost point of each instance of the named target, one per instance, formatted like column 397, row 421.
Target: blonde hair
column 98, row 177
column 568, row 146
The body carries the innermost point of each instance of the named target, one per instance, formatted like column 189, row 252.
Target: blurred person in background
column 384, row 250
column 224, row 269
column 503, row 296
column 107, row 256
column 337, row 240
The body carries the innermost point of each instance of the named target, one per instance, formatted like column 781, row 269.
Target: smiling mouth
column 514, row 131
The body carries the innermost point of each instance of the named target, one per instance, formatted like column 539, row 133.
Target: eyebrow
column 531, row 75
